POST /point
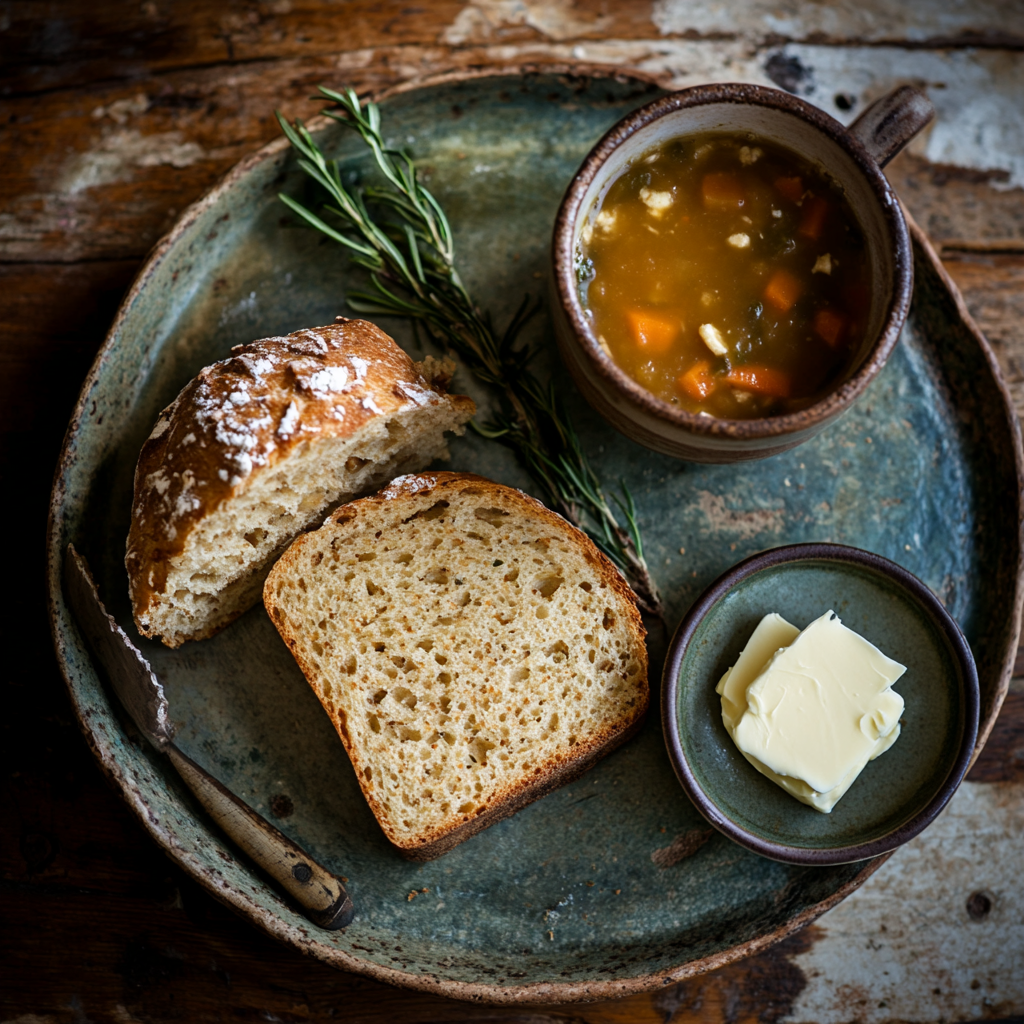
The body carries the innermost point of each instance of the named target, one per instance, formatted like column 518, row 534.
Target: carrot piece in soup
column 783, row 290
column 722, row 189
column 790, row 188
column 815, row 210
column 653, row 334
column 761, row 379
column 830, row 326
column 697, row 382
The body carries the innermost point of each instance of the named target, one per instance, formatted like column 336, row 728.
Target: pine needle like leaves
column 401, row 236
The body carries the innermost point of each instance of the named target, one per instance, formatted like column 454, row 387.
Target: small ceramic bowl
column 898, row 793
column 853, row 158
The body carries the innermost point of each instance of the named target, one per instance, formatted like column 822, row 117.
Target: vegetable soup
column 726, row 275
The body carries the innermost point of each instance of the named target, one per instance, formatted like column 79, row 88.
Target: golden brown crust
column 248, row 412
column 555, row 772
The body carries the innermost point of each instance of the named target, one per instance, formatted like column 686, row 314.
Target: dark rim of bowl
column 970, row 701
column 564, row 243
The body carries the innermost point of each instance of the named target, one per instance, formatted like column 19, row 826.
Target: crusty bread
column 258, row 448
column 473, row 650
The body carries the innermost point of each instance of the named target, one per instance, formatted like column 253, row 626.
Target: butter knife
column 320, row 894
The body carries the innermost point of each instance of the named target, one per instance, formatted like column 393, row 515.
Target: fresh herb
column 399, row 233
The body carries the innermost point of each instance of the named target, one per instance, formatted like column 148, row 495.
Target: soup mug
column 852, row 157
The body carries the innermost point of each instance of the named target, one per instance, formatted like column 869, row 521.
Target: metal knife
column 320, row 894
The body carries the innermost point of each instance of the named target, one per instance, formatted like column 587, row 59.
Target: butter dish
column 894, row 797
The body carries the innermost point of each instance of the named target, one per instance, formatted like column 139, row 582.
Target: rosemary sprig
column 405, row 242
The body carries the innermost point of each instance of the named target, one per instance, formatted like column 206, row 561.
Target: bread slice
column 473, row 650
column 260, row 447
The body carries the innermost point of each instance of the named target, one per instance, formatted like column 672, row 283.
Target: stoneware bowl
column 852, row 157
column 898, row 793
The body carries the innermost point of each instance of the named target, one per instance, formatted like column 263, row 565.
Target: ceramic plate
column 896, row 795
column 570, row 898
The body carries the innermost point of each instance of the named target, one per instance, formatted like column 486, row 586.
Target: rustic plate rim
column 63, row 629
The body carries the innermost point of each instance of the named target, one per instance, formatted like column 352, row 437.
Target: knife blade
column 321, row 894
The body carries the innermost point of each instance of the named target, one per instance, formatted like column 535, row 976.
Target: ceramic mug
column 852, row 157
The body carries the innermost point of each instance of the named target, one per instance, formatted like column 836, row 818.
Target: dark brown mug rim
column 834, row 402
column 970, row 703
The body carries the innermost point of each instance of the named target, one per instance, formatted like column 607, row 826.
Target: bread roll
column 260, row 447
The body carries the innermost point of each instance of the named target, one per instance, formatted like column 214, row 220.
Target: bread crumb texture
column 468, row 644
column 260, row 447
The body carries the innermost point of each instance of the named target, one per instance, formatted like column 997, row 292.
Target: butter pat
column 809, row 710
column 773, row 633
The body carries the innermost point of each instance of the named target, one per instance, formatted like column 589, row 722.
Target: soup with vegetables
column 726, row 275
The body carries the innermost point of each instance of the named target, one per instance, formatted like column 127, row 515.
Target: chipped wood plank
column 993, row 288
column 94, row 173
column 76, row 44
column 1002, row 759
column 179, row 955
column 102, row 173
column 937, row 933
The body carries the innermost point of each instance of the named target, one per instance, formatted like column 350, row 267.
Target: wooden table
column 114, row 117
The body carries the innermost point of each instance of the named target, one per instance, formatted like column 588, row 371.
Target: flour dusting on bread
column 258, row 448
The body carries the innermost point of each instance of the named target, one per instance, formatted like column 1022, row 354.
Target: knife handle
column 321, row 895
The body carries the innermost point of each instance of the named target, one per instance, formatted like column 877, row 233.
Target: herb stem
column 410, row 258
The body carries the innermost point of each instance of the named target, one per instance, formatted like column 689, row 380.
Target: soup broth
column 726, row 275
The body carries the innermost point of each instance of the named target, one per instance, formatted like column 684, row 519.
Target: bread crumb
column 740, row 240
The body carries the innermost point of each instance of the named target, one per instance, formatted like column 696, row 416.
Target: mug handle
column 892, row 121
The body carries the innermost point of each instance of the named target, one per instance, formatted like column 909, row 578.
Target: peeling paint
column 905, row 947
column 480, row 22
column 121, row 151
column 120, row 110
column 917, row 21
column 979, row 119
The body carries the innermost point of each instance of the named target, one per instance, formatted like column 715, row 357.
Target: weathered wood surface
column 113, row 118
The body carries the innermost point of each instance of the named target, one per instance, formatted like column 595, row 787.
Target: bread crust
column 429, row 487
column 243, row 415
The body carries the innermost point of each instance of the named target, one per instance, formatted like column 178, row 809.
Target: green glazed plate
column 897, row 794
column 567, row 899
